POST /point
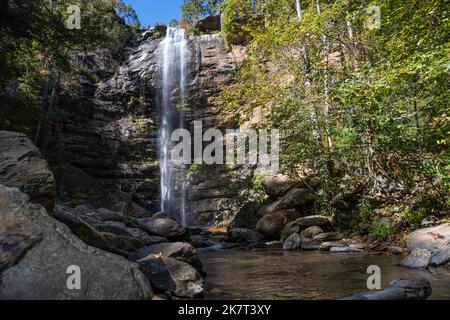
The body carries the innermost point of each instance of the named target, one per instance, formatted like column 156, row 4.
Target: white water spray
column 174, row 55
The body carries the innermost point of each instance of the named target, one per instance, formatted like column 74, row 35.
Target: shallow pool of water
column 275, row 274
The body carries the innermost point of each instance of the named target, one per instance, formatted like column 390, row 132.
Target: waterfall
column 174, row 57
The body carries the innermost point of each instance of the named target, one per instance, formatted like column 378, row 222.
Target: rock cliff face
column 109, row 141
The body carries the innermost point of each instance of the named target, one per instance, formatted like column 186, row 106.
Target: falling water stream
column 174, row 57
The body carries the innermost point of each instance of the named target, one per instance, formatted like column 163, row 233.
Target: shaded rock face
column 22, row 166
column 110, row 133
column 36, row 251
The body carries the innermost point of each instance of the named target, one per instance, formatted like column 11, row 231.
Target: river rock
column 309, row 221
column 22, row 166
column 418, row 259
column 163, row 227
column 311, row 232
column 328, row 236
column 172, row 276
column 428, row 238
column 399, row 289
column 271, row 225
column 326, row 246
column 36, row 251
column 243, row 234
column 394, row 250
column 114, row 227
column 442, row 255
column 293, row 242
column 309, row 244
column 348, row 249
column 178, row 250
column 145, row 237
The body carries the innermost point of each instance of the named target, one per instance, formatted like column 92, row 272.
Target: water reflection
column 275, row 275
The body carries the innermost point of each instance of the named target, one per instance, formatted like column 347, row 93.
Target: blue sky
column 153, row 11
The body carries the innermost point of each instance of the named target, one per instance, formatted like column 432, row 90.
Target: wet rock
column 172, row 276
column 428, row 238
column 198, row 241
column 328, row 236
column 346, row 249
column 309, row 244
column 418, row 259
column 242, row 234
column 394, row 250
column 274, row 244
column 311, row 232
column 178, row 250
column 271, row 225
column 326, row 246
column 36, row 251
column 293, row 242
column 400, row 289
column 294, row 199
column 442, row 255
column 22, row 166
column 163, row 227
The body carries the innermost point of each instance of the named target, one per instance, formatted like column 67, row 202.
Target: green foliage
column 368, row 104
column 194, row 10
column 380, row 229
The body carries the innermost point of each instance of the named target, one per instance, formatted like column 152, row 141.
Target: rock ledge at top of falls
column 22, row 166
column 36, row 251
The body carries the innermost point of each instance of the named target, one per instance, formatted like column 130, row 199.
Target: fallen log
column 399, row 289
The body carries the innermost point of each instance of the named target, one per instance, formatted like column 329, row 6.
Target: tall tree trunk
column 298, row 7
column 326, row 52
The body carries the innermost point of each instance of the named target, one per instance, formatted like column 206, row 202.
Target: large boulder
column 399, row 289
column 328, row 236
column 418, row 259
column 37, row 250
column 243, row 234
column 22, row 166
column 163, row 227
column 311, row 232
column 429, row 238
column 442, row 255
column 177, row 250
column 294, row 199
column 271, row 225
column 293, row 242
column 308, row 221
column 172, row 276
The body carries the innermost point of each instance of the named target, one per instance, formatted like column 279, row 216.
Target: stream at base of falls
column 274, row 274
